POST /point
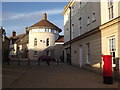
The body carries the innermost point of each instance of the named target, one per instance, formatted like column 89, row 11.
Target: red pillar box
column 107, row 69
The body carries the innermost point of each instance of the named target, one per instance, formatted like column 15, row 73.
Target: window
column 47, row 42
column 35, row 53
column 48, row 53
column 79, row 4
column 72, row 11
column 93, row 16
column 35, row 42
column 80, row 25
column 49, row 30
column 88, row 21
column 46, row 30
column 11, row 41
column 88, row 53
column 80, row 22
column 40, row 40
column 52, row 31
column 112, row 44
column 110, row 9
column 72, row 30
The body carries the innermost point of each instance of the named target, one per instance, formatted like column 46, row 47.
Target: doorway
column 88, row 53
column 80, row 56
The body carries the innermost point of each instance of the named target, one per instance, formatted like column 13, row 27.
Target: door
column 80, row 56
column 88, row 53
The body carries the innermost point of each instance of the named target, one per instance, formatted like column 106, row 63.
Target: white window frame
column 111, row 44
column 111, row 9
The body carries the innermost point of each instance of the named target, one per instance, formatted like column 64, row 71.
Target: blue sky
column 18, row 15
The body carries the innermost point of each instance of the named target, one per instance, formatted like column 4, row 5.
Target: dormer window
column 46, row 30
column 52, row 31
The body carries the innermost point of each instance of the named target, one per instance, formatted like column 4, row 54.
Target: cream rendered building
column 42, row 37
column 91, row 29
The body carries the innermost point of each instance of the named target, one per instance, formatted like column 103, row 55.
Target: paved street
column 53, row 76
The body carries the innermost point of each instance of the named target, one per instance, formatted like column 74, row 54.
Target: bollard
column 19, row 62
column 48, row 63
column 8, row 62
column 107, row 69
column 38, row 62
column 57, row 62
column 117, row 64
column 28, row 62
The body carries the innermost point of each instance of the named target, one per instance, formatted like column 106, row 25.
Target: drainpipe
column 70, row 34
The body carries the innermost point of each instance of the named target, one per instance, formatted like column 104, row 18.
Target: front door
column 88, row 53
column 80, row 56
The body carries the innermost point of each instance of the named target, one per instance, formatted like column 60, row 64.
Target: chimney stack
column 44, row 16
column 13, row 34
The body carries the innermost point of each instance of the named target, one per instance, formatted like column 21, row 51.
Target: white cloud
column 13, row 16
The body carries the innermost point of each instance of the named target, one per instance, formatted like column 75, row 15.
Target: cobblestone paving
column 53, row 76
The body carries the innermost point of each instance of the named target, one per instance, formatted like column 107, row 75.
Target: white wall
column 41, row 46
column 86, row 10
column 105, row 11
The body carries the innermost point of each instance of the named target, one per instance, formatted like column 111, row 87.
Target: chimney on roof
column 13, row 34
column 44, row 16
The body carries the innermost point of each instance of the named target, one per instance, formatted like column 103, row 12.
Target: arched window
column 47, row 42
column 35, row 42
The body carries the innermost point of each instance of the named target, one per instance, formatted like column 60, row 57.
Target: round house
column 42, row 37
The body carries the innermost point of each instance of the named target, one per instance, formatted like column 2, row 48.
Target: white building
column 91, row 29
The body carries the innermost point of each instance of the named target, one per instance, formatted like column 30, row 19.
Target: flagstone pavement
column 52, row 76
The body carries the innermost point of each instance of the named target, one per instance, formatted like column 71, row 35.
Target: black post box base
column 108, row 80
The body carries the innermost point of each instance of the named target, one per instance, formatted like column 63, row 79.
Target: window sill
column 88, row 24
column 93, row 20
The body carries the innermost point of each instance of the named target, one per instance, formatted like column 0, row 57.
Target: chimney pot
column 45, row 16
column 13, row 34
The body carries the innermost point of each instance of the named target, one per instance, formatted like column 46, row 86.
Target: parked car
column 46, row 58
